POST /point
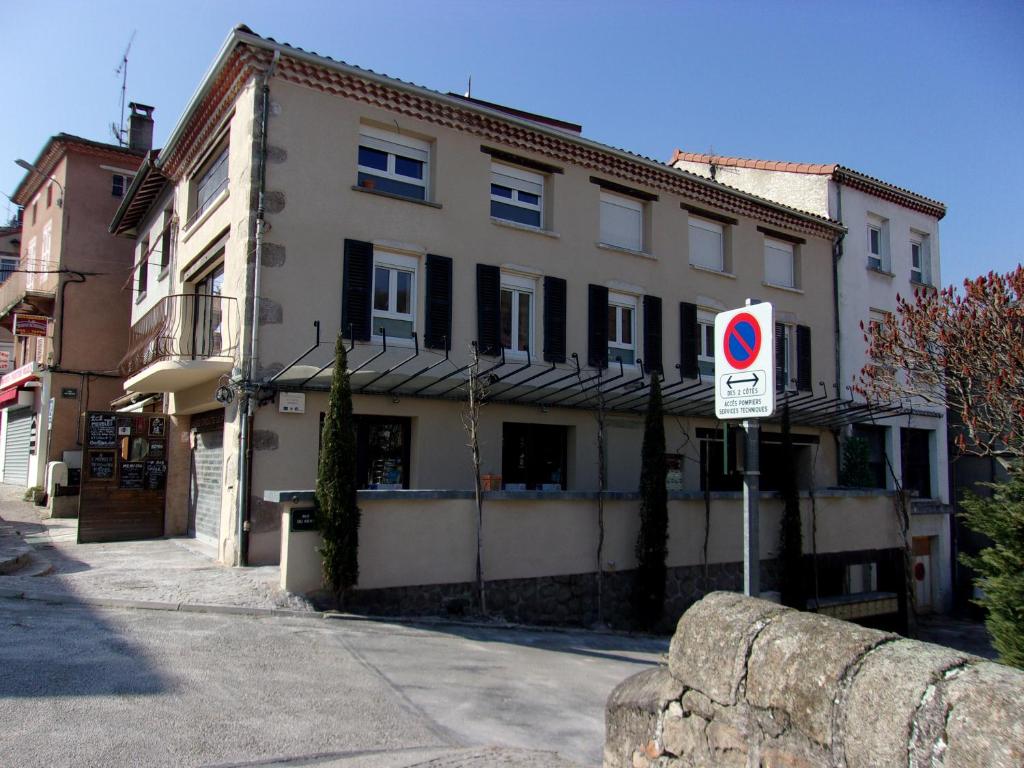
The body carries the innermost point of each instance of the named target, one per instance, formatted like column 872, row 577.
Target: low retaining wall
column 750, row 683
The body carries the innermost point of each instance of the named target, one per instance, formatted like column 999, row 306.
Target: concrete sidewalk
column 172, row 572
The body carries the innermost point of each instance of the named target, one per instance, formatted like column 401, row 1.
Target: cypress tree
column 337, row 511
column 791, row 544
column 1000, row 568
column 652, row 541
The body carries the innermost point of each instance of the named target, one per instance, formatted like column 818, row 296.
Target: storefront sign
column 303, row 519
column 18, row 375
column 31, row 325
column 69, row 392
column 101, row 430
column 291, row 402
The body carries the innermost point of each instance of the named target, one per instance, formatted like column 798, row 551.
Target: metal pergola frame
column 546, row 384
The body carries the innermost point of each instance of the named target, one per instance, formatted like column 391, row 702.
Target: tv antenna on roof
column 122, row 69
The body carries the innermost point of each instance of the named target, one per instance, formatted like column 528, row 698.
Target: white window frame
column 620, row 301
column 219, row 157
column 875, row 257
column 394, row 263
column 919, row 274
column 780, row 246
column 519, row 284
column 878, row 261
column 715, row 228
column 629, row 204
column 518, row 180
column 706, row 346
column 396, row 144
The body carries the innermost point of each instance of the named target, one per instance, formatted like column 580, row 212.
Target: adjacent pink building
column 64, row 302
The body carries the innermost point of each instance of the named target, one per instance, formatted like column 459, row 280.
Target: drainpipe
column 249, row 388
column 837, row 254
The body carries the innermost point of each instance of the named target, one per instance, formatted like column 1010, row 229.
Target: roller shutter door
column 18, row 445
column 206, row 483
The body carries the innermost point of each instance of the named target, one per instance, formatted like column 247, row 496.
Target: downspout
column 837, row 254
column 249, row 387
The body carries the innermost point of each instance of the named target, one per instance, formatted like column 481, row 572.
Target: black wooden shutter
column 689, row 340
column 357, row 290
column 803, row 358
column 488, row 309
column 780, row 358
column 652, row 333
column 554, row 319
column 597, row 326
column 438, row 320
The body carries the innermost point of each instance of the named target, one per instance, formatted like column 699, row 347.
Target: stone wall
column 750, row 683
column 557, row 600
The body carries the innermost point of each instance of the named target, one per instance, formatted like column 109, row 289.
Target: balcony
column 184, row 340
column 26, row 277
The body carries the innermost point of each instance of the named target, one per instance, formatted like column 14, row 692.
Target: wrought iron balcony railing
column 189, row 326
column 26, row 277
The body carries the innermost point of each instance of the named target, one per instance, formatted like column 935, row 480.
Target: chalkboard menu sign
column 157, row 426
column 156, row 449
column 133, row 474
column 101, row 465
column 102, row 430
column 303, row 519
column 156, row 475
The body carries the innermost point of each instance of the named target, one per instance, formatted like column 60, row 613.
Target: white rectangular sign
column 745, row 362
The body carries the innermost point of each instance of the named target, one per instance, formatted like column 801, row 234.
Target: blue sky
column 926, row 95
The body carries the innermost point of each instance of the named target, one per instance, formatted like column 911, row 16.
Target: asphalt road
column 88, row 686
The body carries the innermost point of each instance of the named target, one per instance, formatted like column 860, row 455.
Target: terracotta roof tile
column 839, row 173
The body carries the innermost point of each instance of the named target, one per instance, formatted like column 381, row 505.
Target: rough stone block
column 709, row 649
column 273, row 255
column 684, row 736
column 271, row 312
column 779, row 757
column 274, row 201
column 797, row 665
column 726, row 738
column 985, row 721
column 631, row 715
column 878, row 715
column 699, row 704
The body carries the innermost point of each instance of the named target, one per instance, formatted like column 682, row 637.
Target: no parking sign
column 745, row 362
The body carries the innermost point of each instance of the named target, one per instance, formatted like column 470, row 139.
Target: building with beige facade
column 891, row 249
column 64, row 304
column 299, row 197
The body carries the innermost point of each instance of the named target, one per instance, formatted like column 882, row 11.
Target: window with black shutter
column 652, row 333
column 781, row 358
column 488, row 309
column 438, row 332
column 356, row 290
column 689, row 340
column 554, row 319
column 597, row 326
column 803, row 358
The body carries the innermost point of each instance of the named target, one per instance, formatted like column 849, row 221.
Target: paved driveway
column 84, row 685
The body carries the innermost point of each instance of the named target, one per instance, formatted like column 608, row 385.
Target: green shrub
column 652, row 541
column 337, row 511
column 1000, row 568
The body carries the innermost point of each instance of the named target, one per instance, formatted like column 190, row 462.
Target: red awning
column 8, row 396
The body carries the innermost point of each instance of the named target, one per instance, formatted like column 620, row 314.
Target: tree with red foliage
column 957, row 349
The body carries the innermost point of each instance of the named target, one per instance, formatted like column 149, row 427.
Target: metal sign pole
column 751, row 512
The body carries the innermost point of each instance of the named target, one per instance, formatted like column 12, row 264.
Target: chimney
column 140, row 127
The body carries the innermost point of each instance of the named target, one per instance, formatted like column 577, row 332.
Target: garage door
column 18, row 443
column 207, row 473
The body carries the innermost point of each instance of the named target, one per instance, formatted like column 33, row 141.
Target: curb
column 58, row 598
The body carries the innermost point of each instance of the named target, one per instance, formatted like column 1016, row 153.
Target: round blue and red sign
column 742, row 340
